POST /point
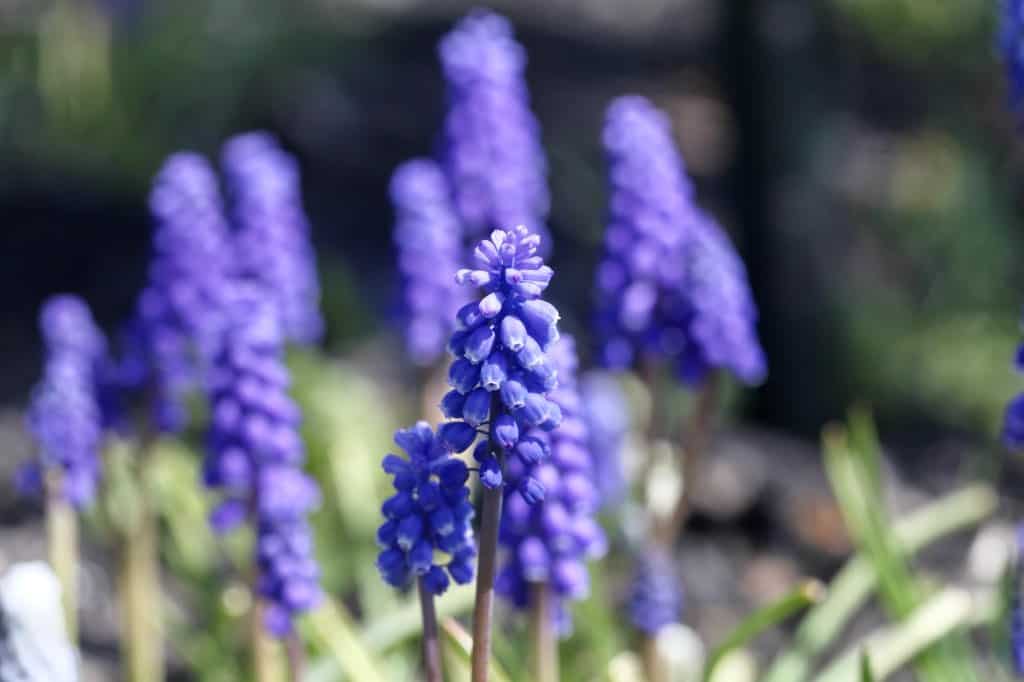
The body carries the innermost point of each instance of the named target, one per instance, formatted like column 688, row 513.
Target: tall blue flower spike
column 428, row 516
column 492, row 152
column 551, row 540
column 501, row 375
column 655, row 597
column 670, row 283
column 273, row 238
column 254, row 459
column 428, row 239
column 180, row 314
column 64, row 414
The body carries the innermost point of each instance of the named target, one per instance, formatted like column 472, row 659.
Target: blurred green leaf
column 332, row 629
column 457, row 640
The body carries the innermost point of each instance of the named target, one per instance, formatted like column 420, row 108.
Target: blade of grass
column 801, row 597
column 387, row 631
column 855, row 582
column 460, row 641
column 331, row 629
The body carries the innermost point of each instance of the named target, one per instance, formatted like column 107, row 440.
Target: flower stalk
column 62, row 541
column 431, row 642
column 483, row 608
column 543, row 639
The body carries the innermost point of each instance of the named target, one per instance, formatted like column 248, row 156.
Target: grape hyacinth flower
column 1013, row 420
column 428, row 515
column 64, row 415
column 180, row 312
column 606, row 413
column 500, row 379
column 1011, row 43
column 428, row 239
column 273, row 239
column 255, row 457
column 655, row 598
column 670, row 283
column 548, row 542
column 492, row 152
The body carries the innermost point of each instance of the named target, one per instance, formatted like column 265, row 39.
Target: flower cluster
column 655, row 597
column 430, row 512
column 670, row 283
column 179, row 316
column 492, row 153
column 273, row 233
column 502, row 374
column 606, row 413
column 550, row 541
column 255, row 457
column 428, row 240
column 1013, row 421
column 64, row 415
column 1011, row 42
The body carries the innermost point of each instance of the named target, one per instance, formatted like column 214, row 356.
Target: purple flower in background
column 670, row 283
column 501, row 374
column 64, row 416
column 255, row 457
column 180, row 312
column 606, row 412
column 1013, row 421
column 1011, row 43
column 428, row 239
column 550, row 541
column 655, row 597
column 492, row 152
column 429, row 513
column 273, row 237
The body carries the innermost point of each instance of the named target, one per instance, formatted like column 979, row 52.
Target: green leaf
column 459, row 643
column 801, row 597
column 865, row 667
column 331, row 629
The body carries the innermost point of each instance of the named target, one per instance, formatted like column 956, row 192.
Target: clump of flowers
column 428, row 239
column 655, row 598
column 1011, row 42
column 255, row 460
column 64, row 415
column 428, row 515
column 550, row 541
column 273, row 239
column 670, row 284
column 492, row 153
column 180, row 312
column 502, row 374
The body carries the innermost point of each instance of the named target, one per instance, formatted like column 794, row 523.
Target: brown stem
column 654, row 668
column 695, row 439
column 544, row 641
column 490, row 517
column 431, row 643
column 296, row 658
column 62, row 538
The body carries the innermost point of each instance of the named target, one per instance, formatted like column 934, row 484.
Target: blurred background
column 860, row 152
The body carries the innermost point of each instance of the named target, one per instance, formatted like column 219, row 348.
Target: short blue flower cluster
column 64, row 416
column 550, row 541
column 273, row 237
column 428, row 239
column 655, row 596
column 255, row 457
column 430, row 512
column 1013, row 420
column 492, row 151
column 1011, row 43
column 179, row 318
column 670, row 283
column 501, row 374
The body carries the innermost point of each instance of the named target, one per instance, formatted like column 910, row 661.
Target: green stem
column 142, row 600
column 856, row 581
column 544, row 641
column 62, row 538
